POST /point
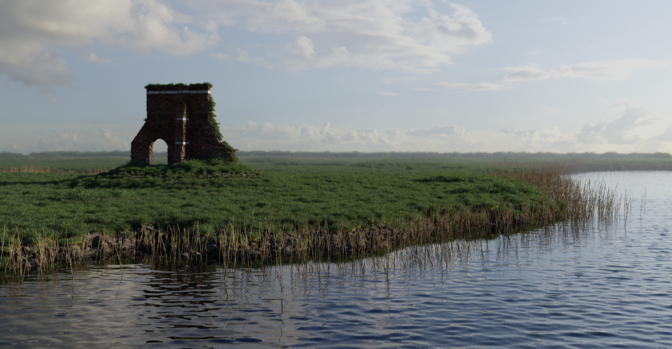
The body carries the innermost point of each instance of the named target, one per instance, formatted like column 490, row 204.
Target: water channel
column 602, row 285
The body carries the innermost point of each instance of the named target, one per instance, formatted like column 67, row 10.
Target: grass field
column 84, row 162
column 264, row 191
column 282, row 196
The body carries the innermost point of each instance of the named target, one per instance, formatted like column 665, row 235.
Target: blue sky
column 365, row 75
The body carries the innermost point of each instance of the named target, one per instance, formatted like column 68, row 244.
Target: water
column 602, row 286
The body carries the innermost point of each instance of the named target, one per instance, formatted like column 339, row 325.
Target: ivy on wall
column 215, row 126
column 211, row 109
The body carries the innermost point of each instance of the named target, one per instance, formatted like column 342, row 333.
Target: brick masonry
column 179, row 116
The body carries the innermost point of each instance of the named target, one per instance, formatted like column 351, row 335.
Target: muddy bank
column 238, row 248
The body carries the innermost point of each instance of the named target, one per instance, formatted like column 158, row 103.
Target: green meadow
column 283, row 196
column 263, row 191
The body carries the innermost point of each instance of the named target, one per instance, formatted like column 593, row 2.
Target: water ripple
column 598, row 287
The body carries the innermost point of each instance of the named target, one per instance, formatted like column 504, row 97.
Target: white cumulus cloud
column 30, row 30
column 619, row 130
column 377, row 34
column 268, row 136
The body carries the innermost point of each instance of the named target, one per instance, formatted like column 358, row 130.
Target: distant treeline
column 66, row 154
column 299, row 155
column 74, row 154
column 431, row 155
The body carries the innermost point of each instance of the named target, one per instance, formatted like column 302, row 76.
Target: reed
column 259, row 243
column 46, row 169
column 579, row 201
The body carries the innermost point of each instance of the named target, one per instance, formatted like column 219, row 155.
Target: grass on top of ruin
column 278, row 197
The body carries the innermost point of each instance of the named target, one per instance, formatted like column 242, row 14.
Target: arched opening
column 159, row 152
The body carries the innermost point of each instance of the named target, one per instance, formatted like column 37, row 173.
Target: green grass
column 353, row 161
column 281, row 191
column 280, row 195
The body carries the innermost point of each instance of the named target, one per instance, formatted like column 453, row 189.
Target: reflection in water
column 593, row 286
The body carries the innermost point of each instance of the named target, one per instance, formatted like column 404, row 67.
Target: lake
column 605, row 284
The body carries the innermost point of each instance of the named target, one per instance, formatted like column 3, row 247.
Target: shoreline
column 238, row 249
column 460, row 206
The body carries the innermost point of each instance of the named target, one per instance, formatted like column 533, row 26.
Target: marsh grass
column 82, row 165
column 482, row 207
column 213, row 196
column 581, row 200
column 39, row 169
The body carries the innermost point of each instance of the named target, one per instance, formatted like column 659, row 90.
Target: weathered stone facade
column 179, row 115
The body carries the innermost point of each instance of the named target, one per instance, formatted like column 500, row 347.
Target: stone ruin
column 180, row 116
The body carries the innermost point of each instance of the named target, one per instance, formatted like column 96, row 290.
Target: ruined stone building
column 180, row 115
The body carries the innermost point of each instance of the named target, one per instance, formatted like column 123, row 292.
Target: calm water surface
column 600, row 286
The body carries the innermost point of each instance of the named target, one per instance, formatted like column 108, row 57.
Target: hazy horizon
column 340, row 76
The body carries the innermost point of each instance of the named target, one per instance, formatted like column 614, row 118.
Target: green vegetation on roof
column 197, row 85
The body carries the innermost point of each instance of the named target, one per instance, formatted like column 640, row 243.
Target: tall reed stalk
column 570, row 199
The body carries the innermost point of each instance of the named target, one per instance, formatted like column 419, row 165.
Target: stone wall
column 180, row 117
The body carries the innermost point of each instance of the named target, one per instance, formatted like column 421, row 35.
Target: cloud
column 268, row 136
column 618, row 134
column 31, row 31
column 243, row 57
column 361, row 33
column 604, row 136
column 94, row 58
column 558, row 20
column 64, row 137
column 592, row 133
column 622, row 134
column 306, row 34
column 604, row 70
column 441, row 131
column 635, row 129
column 389, row 94
column 479, row 86
column 542, row 138
column 304, row 47
column 619, row 130
column 527, row 73
column 61, row 141
column 43, row 70
column 665, row 136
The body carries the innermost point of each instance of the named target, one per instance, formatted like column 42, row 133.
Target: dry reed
column 572, row 200
column 38, row 169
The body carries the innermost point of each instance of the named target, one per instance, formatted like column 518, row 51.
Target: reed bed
column 581, row 201
column 597, row 163
column 46, row 169
column 570, row 200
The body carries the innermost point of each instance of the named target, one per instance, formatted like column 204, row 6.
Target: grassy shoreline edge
column 567, row 200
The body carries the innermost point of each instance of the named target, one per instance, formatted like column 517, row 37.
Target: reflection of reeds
column 257, row 243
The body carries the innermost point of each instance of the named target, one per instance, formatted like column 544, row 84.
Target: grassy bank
column 215, row 196
column 267, row 208
column 339, row 190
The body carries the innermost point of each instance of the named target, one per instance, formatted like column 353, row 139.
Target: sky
column 344, row 75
